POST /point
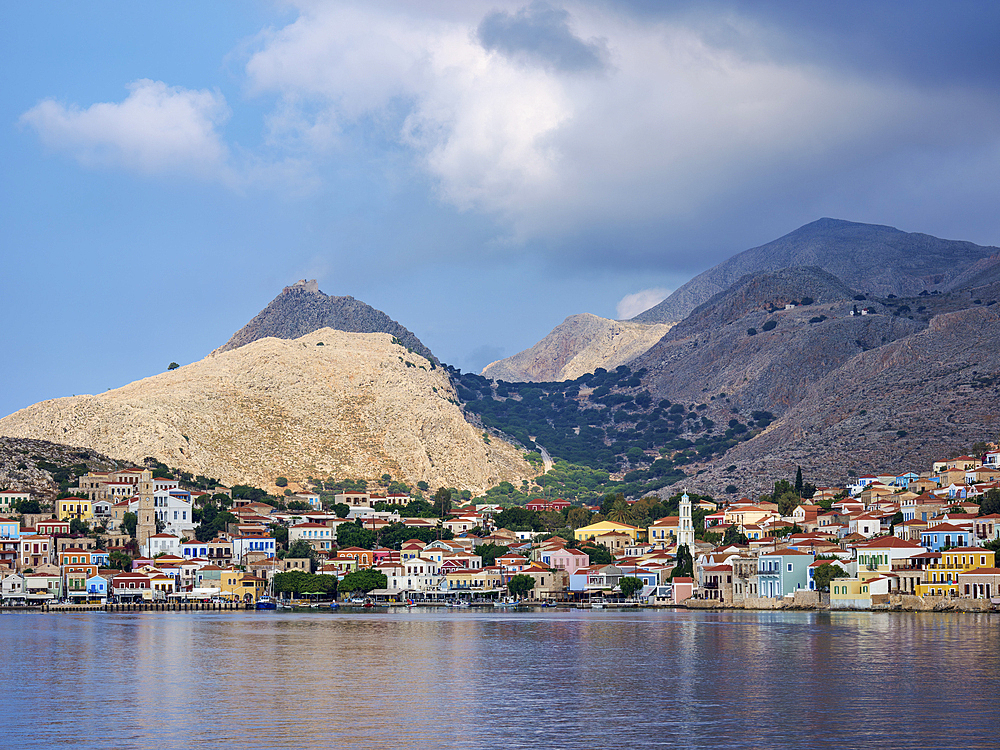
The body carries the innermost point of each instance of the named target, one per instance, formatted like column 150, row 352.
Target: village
column 912, row 541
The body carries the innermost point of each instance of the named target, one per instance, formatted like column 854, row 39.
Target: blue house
column 9, row 529
column 936, row 538
column 97, row 587
column 783, row 572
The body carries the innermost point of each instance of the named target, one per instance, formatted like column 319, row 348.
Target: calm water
column 464, row 679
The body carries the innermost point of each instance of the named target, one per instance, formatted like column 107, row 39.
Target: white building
column 319, row 536
column 244, row 544
column 166, row 544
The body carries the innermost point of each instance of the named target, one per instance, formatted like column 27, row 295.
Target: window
column 789, row 567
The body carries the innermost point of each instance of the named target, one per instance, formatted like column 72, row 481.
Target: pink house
column 570, row 560
column 683, row 589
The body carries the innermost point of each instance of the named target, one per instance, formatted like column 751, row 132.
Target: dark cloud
column 541, row 34
column 924, row 42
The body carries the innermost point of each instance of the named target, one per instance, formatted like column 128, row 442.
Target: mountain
column 873, row 259
column 792, row 367
column 744, row 343
column 894, row 408
column 578, row 345
column 43, row 468
column 350, row 405
column 302, row 308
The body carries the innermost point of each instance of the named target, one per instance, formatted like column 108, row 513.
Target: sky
column 477, row 170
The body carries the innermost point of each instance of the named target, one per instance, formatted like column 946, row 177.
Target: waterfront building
column 941, row 578
column 783, row 572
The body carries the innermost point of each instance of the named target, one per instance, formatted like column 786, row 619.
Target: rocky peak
column 302, row 308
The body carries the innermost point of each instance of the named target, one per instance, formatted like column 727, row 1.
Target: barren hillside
column 328, row 403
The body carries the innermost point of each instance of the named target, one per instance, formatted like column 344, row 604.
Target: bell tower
column 146, row 522
column 685, row 530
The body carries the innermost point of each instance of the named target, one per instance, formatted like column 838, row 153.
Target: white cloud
column 633, row 304
column 156, row 129
column 668, row 128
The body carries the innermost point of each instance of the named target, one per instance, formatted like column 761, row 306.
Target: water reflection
column 573, row 679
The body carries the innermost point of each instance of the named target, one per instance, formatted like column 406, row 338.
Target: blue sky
column 478, row 171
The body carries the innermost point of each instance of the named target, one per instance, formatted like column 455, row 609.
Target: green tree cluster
column 364, row 581
column 355, row 535
column 213, row 521
column 490, row 552
column 684, row 565
column 520, row 585
column 629, row 585
column 298, row 582
column 299, row 549
column 825, row 573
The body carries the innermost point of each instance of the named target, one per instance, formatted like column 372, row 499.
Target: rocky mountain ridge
column 302, row 308
column 874, row 259
column 578, row 345
column 39, row 466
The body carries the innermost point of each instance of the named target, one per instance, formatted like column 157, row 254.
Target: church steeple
column 685, row 530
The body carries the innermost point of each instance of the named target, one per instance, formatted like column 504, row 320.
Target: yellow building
column 856, row 593
column 585, row 533
column 75, row 507
column 941, row 579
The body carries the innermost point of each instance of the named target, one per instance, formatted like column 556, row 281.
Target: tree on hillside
column 28, row 506
column 442, row 502
column 354, row 535
column 129, row 522
column 598, row 553
column 577, row 517
column 620, row 512
column 120, row 560
column 490, row 552
column 734, row 536
column 520, row 585
column 990, row 503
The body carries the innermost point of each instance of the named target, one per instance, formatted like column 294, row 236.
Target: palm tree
column 621, row 512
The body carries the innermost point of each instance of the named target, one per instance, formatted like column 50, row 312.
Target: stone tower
column 685, row 530
column 146, row 524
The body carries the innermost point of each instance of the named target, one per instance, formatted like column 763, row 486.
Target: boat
column 368, row 604
column 266, row 602
column 334, row 605
column 458, row 605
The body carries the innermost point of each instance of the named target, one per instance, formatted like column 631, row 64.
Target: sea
column 454, row 678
